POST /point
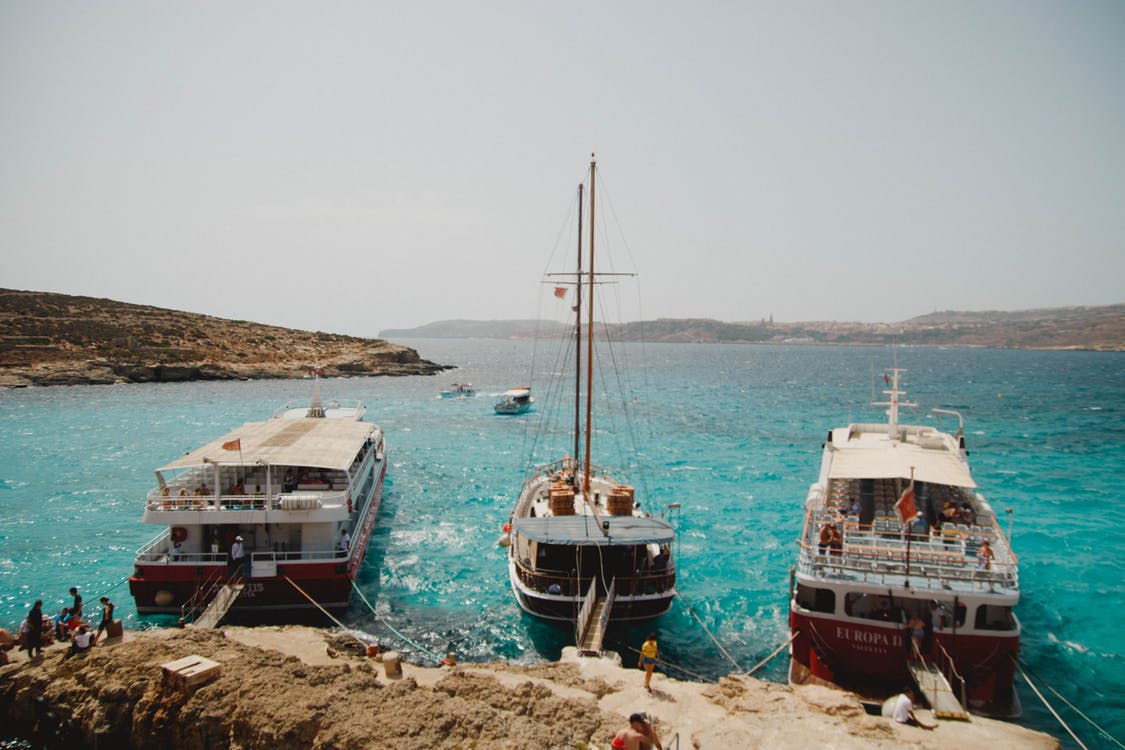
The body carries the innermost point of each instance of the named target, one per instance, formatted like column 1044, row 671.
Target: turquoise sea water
column 733, row 433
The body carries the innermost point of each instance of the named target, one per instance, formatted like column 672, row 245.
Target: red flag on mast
column 560, row 291
column 233, row 445
column 906, row 506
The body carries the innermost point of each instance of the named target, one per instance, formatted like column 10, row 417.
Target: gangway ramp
column 937, row 691
column 219, row 606
column 595, row 634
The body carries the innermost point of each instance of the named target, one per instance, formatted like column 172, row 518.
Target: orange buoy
column 507, row 527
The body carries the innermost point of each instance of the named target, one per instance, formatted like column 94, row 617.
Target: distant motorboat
column 514, row 401
column 459, row 390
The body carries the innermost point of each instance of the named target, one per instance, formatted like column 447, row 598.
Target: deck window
column 817, row 600
column 871, row 607
column 991, row 617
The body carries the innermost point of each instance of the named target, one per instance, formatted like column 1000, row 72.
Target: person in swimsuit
column 649, row 654
column 639, row 735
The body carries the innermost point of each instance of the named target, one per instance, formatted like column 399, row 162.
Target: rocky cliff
column 58, row 339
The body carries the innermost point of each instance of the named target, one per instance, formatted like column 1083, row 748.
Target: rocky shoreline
column 57, row 339
column 281, row 687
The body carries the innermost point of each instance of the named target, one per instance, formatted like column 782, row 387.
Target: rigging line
column 627, row 414
column 567, row 223
column 1048, row 705
column 111, row 588
column 627, row 453
column 774, row 653
column 608, row 198
column 675, row 666
column 552, row 403
column 715, row 640
column 1071, row 705
column 326, row 613
column 416, row 645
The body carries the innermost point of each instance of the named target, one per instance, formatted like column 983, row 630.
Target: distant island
column 1064, row 328
column 58, row 339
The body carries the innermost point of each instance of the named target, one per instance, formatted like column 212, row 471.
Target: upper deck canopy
column 873, row 455
column 587, row 530
column 311, row 442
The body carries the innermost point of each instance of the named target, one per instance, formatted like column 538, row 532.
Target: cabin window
column 817, row 600
column 871, row 607
column 991, row 617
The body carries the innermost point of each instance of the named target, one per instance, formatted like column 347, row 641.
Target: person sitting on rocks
column 81, row 642
column 904, row 710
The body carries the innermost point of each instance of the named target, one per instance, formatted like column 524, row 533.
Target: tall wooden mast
column 590, row 335
column 578, row 334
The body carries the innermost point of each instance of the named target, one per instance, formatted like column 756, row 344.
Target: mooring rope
column 1048, row 705
column 111, row 588
column 416, row 645
column 1072, row 707
column 667, row 663
column 326, row 613
column 708, row 632
column 775, row 652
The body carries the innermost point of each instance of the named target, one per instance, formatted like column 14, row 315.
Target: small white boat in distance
column 458, row 390
column 514, row 401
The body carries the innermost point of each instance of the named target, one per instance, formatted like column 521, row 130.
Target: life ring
column 179, row 533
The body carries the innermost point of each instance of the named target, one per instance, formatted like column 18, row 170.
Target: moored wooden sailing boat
column 581, row 547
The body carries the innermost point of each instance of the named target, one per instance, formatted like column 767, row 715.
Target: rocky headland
column 59, row 339
column 290, row 687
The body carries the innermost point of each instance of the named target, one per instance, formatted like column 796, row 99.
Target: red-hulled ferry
column 301, row 489
column 904, row 571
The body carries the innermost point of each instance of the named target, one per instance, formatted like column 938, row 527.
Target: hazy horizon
column 356, row 167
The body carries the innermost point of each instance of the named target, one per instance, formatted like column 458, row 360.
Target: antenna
column 893, row 404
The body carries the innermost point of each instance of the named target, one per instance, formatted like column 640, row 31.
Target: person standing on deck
column 345, row 541
column 237, row 553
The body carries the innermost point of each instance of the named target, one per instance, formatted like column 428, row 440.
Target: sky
column 356, row 166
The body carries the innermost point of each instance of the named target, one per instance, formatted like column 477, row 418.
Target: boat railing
column 299, row 555
column 945, row 664
column 564, row 468
column 327, row 405
column 569, row 585
column 159, row 549
column 158, row 543
column 873, row 552
column 585, row 612
column 610, row 598
column 201, row 597
column 303, row 500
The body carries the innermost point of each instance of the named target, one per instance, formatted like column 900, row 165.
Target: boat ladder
column 936, row 688
column 219, row 606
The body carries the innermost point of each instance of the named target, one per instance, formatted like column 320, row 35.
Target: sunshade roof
column 586, row 530
column 316, row 443
column 876, row 457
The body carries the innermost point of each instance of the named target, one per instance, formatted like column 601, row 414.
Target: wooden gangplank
column 937, row 691
column 219, row 606
column 594, row 636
